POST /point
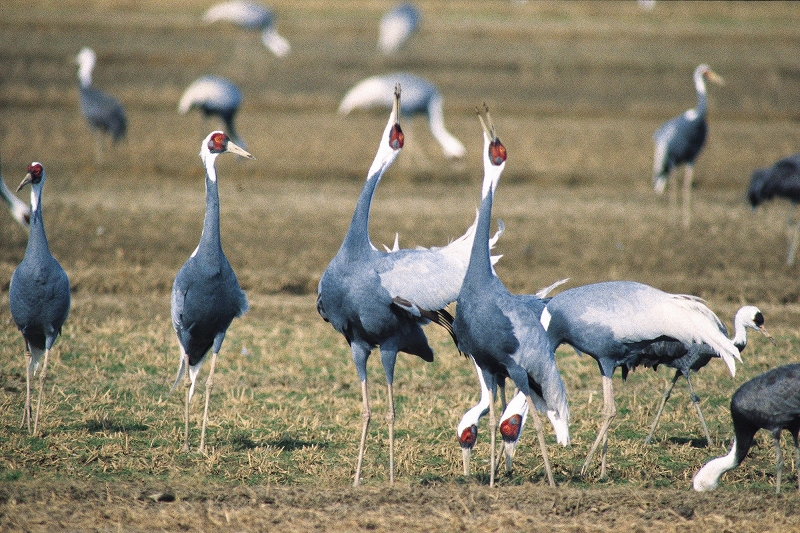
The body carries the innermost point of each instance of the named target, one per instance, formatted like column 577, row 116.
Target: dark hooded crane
column 102, row 111
column 251, row 16
column 680, row 140
column 781, row 180
column 214, row 95
column 685, row 358
column 206, row 296
column 382, row 299
column 501, row 331
column 396, row 26
column 420, row 97
column 19, row 210
column 770, row 401
column 616, row 321
column 39, row 295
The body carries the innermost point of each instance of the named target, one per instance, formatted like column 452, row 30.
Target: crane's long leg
column 493, row 434
column 687, row 195
column 778, row 463
column 792, row 235
column 696, row 402
column 41, row 391
column 26, row 414
column 664, row 398
column 537, row 423
column 390, row 420
column 797, row 461
column 186, row 417
column 209, row 385
column 365, row 416
column 609, row 412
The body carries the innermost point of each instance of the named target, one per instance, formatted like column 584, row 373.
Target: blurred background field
column 576, row 91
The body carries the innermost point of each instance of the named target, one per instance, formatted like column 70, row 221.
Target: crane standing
column 206, row 296
column 396, row 26
column 781, row 180
column 680, row 140
column 39, row 295
column 501, row 331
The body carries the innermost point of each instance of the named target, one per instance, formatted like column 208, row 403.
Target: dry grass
column 576, row 91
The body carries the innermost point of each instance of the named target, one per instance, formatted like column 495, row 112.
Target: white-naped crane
column 781, row 180
column 39, row 295
column 251, row 16
column 206, row 296
column 102, row 111
column 514, row 413
column 616, row 321
column 685, row 358
column 420, row 96
column 382, row 299
column 214, row 96
column 770, row 401
column 680, row 140
column 396, row 26
column 19, row 210
column 500, row 330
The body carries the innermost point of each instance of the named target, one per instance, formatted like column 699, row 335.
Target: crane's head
column 85, row 59
column 467, row 434
column 704, row 73
column 494, row 153
column 391, row 142
column 749, row 316
column 218, row 142
column 34, row 176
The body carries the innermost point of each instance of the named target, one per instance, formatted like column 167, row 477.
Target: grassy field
column 576, row 90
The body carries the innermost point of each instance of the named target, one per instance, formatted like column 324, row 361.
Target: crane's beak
column 466, row 453
column 713, row 76
column 28, row 178
column 234, row 149
column 395, row 116
column 764, row 332
column 509, row 447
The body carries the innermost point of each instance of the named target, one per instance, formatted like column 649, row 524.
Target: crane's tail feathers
column 542, row 293
column 444, row 318
column 181, row 370
column 560, row 426
column 36, row 356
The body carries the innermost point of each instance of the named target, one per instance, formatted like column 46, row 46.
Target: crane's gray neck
column 37, row 240
column 480, row 263
column 357, row 239
column 210, row 240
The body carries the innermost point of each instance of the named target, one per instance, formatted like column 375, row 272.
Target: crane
column 396, row 26
column 39, row 295
column 615, row 321
column 251, row 16
column 19, row 209
column 382, row 299
column 781, row 180
column 214, row 95
column 501, row 331
column 680, row 140
column 770, row 401
column 514, row 414
column 102, row 111
column 687, row 357
column 421, row 97
column 206, row 296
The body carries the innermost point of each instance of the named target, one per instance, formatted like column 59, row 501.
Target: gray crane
column 214, row 95
column 514, row 413
column 39, row 295
column 102, row 111
column 680, row 140
column 687, row 357
column 770, row 401
column 206, row 296
column 781, row 180
column 501, row 331
column 421, row 97
column 615, row 321
column 382, row 299
column 251, row 16
column 396, row 26
column 19, row 209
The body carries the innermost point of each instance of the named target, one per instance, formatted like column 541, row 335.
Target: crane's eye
column 497, row 152
column 396, row 137
column 35, row 171
column 217, row 143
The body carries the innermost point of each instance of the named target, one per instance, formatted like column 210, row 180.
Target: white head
column 86, row 60
column 702, row 73
column 494, row 153
column 748, row 316
column 215, row 144
column 391, row 141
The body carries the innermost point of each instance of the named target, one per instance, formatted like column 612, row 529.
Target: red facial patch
column 468, row 437
column 497, row 152
column 35, row 170
column 396, row 137
column 218, row 143
column 510, row 428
